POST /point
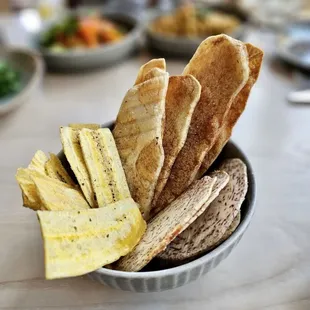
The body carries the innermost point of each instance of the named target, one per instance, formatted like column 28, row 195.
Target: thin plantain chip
column 104, row 166
column 38, row 162
column 73, row 151
column 57, row 196
column 78, row 242
column 56, row 170
column 30, row 196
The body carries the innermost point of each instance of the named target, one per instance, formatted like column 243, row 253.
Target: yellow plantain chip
column 38, row 162
column 78, row 242
column 58, row 196
column 56, row 170
column 80, row 126
column 104, row 166
column 73, row 151
column 30, row 196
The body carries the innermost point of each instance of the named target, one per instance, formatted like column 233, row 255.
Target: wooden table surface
column 270, row 267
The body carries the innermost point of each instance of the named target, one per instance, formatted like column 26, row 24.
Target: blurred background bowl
column 294, row 44
column 180, row 46
column 102, row 56
column 30, row 67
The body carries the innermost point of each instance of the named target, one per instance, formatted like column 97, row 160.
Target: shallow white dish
column 155, row 277
column 104, row 55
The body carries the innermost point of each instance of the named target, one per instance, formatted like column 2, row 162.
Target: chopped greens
column 9, row 80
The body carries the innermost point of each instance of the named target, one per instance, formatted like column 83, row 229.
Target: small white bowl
column 160, row 278
column 31, row 68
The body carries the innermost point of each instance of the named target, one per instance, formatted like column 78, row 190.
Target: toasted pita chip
column 30, row 196
column 73, row 151
column 154, row 73
column 57, row 196
column 181, row 99
column 38, row 162
column 222, row 179
column 220, row 64
column 78, row 242
column 166, row 225
column 138, row 135
column 159, row 63
column 237, row 107
column 206, row 232
column 104, row 166
column 56, row 170
column 89, row 126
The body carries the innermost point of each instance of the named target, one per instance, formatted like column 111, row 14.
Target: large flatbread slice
column 220, row 64
column 159, row 63
column 166, row 225
column 181, row 99
column 104, row 166
column 206, row 232
column 237, row 107
column 138, row 135
column 78, row 242
column 73, row 151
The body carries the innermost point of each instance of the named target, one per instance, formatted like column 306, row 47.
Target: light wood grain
column 268, row 270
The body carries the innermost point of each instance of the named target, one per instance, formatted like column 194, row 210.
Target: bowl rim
column 238, row 31
column 136, row 29
column 208, row 256
column 37, row 75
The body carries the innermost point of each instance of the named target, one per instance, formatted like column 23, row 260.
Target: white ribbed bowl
column 165, row 279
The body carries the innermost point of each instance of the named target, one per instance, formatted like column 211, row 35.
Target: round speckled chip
column 209, row 229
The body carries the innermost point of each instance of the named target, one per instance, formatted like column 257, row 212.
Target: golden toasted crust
column 159, row 63
column 237, row 107
column 220, row 64
column 181, row 99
